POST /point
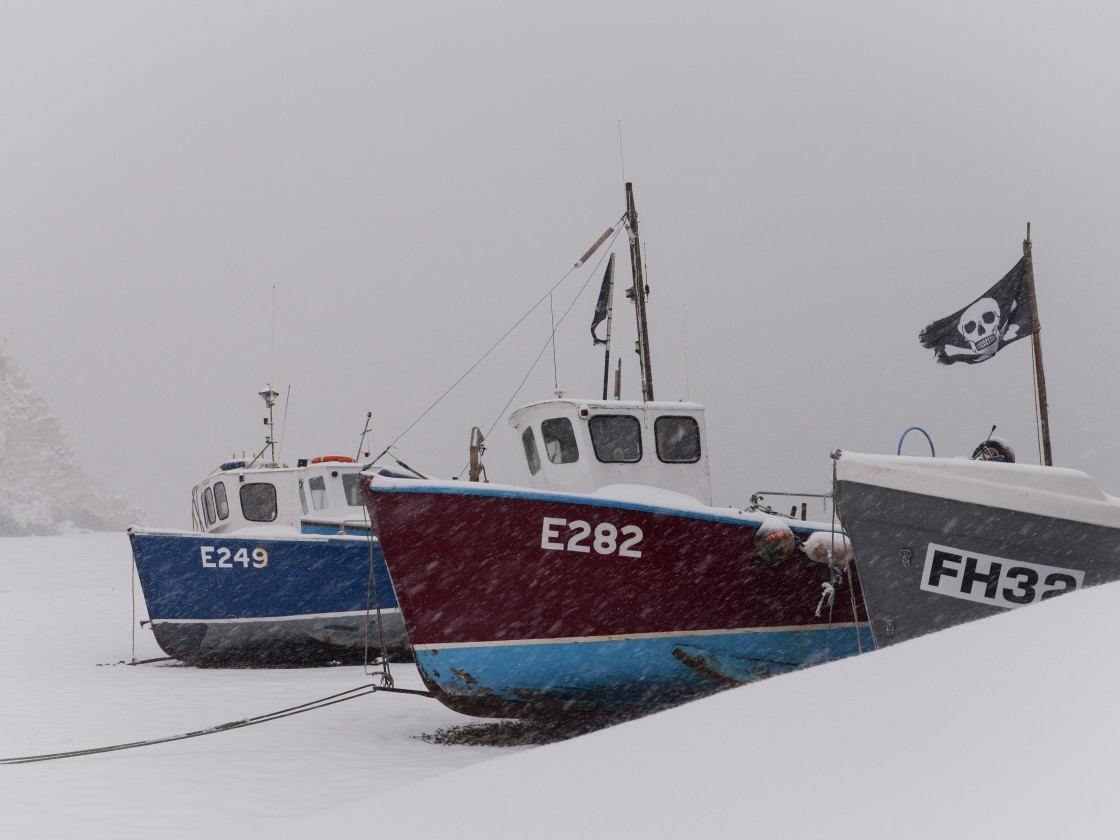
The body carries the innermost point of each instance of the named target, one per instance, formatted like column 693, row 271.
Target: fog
column 354, row 201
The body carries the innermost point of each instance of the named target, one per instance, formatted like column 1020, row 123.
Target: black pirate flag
column 977, row 332
column 603, row 306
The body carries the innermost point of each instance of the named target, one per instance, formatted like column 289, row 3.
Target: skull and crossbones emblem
column 983, row 326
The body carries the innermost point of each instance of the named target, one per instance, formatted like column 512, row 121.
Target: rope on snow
column 224, row 727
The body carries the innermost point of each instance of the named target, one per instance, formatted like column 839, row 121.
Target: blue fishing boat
column 280, row 568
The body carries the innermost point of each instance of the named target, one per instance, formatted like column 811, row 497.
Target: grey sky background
column 815, row 181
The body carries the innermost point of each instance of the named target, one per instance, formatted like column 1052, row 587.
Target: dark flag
column 977, row 332
column 603, row 306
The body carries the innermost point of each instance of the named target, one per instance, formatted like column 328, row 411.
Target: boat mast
column 637, row 294
column 362, row 439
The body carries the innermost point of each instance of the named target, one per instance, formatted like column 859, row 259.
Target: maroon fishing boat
column 605, row 581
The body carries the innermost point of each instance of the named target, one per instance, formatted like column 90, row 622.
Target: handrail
column 929, row 440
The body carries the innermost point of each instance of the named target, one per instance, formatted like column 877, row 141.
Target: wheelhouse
column 322, row 491
column 579, row 446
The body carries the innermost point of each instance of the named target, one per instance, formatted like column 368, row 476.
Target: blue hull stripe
column 274, row 618
column 638, row 636
column 634, row 672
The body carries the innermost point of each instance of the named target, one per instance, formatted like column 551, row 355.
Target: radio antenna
column 621, row 156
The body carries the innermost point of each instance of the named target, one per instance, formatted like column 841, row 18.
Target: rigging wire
column 567, row 311
column 552, row 340
column 493, row 347
column 284, row 425
column 687, row 390
column 544, row 347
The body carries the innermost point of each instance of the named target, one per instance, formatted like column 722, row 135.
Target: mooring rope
column 371, row 589
column 132, row 578
column 134, row 662
column 852, row 558
column 321, row 703
column 855, row 613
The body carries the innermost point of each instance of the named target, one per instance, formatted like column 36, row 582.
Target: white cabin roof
column 579, row 446
column 238, row 496
column 1056, row 492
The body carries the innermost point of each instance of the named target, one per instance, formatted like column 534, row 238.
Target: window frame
column 657, row 439
column 208, row 506
column 553, row 422
column 221, row 500
column 598, row 420
column 249, row 487
column 318, row 494
column 532, row 454
column 352, row 488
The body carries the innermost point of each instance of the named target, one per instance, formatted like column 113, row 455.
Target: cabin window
column 318, row 486
column 559, row 440
column 208, row 505
column 530, row 444
column 616, row 438
column 678, row 439
column 302, row 498
column 258, row 502
column 220, row 500
column 352, row 487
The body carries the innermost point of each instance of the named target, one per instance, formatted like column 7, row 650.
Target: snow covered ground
column 1005, row 727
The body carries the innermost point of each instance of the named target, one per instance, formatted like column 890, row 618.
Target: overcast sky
column 816, row 181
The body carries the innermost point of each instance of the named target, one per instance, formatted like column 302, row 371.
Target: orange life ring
column 324, row 458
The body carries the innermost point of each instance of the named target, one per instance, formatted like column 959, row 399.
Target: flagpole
column 610, row 310
column 1040, row 374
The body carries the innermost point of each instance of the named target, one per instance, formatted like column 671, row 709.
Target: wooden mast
column 1036, row 329
column 637, row 294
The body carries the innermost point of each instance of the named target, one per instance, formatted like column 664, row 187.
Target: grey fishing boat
column 942, row 541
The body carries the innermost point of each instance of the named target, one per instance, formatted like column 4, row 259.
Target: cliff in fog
column 43, row 489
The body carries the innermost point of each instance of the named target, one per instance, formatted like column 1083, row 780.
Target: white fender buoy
column 819, row 544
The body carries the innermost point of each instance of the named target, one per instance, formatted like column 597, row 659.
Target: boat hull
column 242, row 601
column 934, row 555
column 526, row 604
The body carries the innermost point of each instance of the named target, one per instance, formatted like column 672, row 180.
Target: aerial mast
column 637, row 294
column 269, row 396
